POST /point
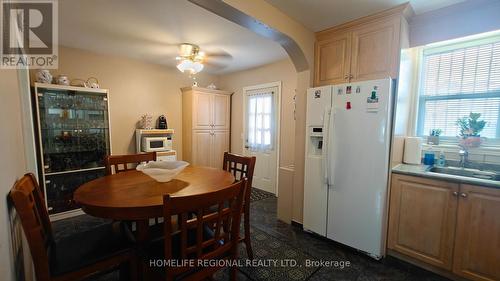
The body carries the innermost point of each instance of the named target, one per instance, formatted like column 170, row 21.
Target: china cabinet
column 73, row 133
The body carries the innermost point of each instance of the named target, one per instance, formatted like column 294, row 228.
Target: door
column 201, row 148
column 221, row 112
column 261, row 131
column 202, row 111
column 422, row 219
column 477, row 243
column 375, row 51
column 358, row 165
column 219, row 145
column 333, row 58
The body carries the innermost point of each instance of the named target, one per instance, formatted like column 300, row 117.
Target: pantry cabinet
column 364, row 49
column 206, row 125
column 453, row 228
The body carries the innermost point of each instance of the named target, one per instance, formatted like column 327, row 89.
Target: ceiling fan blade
column 215, row 65
column 218, row 54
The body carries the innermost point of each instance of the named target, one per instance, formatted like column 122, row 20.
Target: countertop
column 422, row 171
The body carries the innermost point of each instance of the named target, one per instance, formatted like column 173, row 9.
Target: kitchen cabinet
column 477, row 243
column 422, row 219
column 453, row 228
column 333, row 59
column 364, row 49
column 375, row 51
column 206, row 125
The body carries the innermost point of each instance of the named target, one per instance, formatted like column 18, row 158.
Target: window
column 458, row 79
column 260, row 121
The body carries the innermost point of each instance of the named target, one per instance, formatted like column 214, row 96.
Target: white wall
column 459, row 20
column 13, row 164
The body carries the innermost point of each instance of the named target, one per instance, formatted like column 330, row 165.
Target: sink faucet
column 464, row 157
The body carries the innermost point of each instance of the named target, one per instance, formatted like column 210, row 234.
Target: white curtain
column 260, row 121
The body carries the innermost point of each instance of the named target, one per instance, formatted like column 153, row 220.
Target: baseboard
column 297, row 224
column 391, row 254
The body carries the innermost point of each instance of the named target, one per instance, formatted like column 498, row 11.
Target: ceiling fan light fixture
column 190, row 58
column 190, row 66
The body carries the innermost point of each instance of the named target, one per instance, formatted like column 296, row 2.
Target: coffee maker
column 162, row 122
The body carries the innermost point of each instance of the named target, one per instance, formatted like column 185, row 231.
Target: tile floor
column 273, row 239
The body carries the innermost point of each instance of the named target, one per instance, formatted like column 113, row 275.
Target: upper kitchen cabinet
column 333, row 59
column 364, row 49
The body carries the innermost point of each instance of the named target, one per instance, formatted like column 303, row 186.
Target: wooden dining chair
column 203, row 233
column 71, row 258
column 242, row 167
column 121, row 163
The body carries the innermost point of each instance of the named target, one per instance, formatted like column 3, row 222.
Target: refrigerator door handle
column 331, row 148
column 326, row 122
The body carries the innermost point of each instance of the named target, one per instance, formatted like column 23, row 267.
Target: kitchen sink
column 465, row 172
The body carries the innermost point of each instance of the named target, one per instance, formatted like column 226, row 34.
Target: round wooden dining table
column 134, row 196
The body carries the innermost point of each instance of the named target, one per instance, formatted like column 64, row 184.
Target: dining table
column 135, row 196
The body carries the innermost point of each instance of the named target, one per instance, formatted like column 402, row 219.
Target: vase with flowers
column 470, row 129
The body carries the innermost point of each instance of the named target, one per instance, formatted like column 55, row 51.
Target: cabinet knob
column 455, row 193
column 464, row 195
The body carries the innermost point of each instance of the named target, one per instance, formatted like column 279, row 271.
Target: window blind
column 457, row 80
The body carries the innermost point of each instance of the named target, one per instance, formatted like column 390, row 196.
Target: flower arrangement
column 470, row 129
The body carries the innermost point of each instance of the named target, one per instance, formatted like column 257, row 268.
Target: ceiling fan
column 192, row 60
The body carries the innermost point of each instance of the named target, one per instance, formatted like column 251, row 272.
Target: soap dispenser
column 441, row 161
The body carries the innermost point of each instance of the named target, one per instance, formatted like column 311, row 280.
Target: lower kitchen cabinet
column 454, row 228
column 477, row 243
column 422, row 219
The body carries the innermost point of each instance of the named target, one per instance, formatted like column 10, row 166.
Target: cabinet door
column 201, row 148
column 202, row 111
column 221, row 112
column 220, row 144
column 477, row 243
column 332, row 60
column 375, row 51
column 422, row 219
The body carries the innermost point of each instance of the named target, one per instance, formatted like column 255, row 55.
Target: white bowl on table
column 162, row 171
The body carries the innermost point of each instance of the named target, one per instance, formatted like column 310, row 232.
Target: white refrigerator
column 347, row 163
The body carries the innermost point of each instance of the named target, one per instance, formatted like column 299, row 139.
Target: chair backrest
column 121, row 163
column 218, row 213
column 241, row 167
column 30, row 206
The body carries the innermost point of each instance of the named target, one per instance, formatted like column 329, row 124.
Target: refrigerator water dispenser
column 316, row 141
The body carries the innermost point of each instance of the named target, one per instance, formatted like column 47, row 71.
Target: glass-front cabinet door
column 74, row 140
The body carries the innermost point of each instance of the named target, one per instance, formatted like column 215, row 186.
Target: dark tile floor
column 275, row 240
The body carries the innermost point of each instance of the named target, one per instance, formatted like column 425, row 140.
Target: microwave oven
column 150, row 144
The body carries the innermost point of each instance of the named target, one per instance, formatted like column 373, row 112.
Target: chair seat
column 86, row 248
column 156, row 250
